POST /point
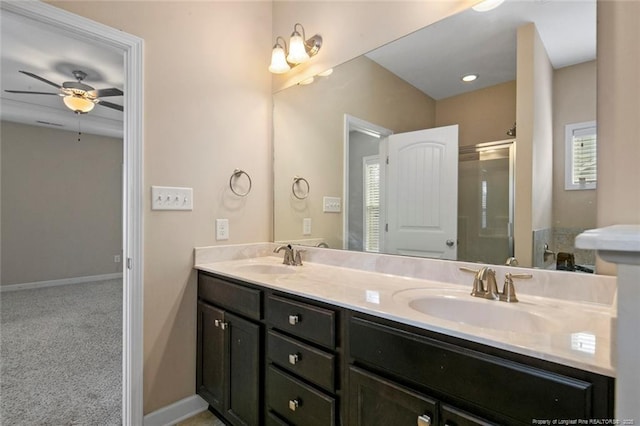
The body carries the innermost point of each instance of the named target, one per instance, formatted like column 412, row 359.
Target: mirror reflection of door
column 421, row 193
column 421, row 178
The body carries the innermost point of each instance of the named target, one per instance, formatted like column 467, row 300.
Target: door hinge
column 387, row 161
column 386, row 227
column 129, row 263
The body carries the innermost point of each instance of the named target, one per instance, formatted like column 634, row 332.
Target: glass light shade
column 297, row 52
column 279, row 64
column 78, row 103
column 487, row 5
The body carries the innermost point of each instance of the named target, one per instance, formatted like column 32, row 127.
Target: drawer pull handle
column 294, row 359
column 294, row 319
column 424, row 420
column 294, row 404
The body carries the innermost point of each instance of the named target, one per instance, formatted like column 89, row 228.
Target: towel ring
column 297, row 180
column 236, row 174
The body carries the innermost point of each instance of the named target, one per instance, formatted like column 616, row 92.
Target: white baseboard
column 63, row 281
column 176, row 412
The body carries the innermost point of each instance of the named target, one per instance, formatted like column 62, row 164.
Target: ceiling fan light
column 297, row 50
column 78, row 104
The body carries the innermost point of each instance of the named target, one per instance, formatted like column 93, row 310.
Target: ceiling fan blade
column 44, row 80
column 111, row 105
column 101, row 93
column 32, row 93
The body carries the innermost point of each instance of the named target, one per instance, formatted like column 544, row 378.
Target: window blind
column 372, row 205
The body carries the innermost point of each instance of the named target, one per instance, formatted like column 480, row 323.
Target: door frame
column 132, row 185
column 352, row 123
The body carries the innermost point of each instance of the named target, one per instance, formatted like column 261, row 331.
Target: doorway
column 132, row 190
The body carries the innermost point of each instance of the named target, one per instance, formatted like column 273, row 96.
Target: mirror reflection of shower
column 485, row 202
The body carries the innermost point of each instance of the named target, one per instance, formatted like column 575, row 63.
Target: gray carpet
column 61, row 355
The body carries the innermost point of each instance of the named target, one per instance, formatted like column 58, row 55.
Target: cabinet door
column 211, row 380
column 374, row 401
column 244, row 370
column 454, row 417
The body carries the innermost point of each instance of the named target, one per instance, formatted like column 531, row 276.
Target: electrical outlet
column 306, row 226
column 171, row 198
column 117, row 258
column 222, row 229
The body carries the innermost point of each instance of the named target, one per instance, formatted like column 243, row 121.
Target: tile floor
column 206, row 418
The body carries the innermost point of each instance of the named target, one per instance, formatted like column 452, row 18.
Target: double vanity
column 360, row 339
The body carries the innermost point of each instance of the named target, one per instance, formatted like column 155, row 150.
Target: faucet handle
column 298, row 257
column 478, row 283
column 509, row 290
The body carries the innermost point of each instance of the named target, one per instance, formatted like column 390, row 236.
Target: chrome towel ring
column 296, row 182
column 237, row 173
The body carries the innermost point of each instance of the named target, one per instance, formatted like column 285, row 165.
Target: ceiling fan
column 77, row 96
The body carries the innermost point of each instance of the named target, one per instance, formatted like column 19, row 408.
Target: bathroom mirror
column 415, row 83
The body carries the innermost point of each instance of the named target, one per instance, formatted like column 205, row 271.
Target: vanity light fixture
column 300, row 50
column 78, row 104
column 469, row 78
column 487, row 5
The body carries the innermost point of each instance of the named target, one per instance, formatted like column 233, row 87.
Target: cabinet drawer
column 298, row 403
column 517, row 391
column 454, row 417
column 308, row 362
column 300, row 319
column 237, row 298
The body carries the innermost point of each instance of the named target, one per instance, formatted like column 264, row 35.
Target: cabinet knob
column 217, row 323
column 424, row 420
column 294, row 358
column 294, row 319
column 294, row 404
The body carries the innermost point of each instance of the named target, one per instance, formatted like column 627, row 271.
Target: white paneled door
column 421, row 193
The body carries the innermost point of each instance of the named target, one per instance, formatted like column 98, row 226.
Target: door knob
column 450, row 243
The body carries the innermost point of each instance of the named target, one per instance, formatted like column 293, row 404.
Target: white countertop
column 568, row 332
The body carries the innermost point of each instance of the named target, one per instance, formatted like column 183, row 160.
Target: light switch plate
column 331, row 204
column 222, row 229
column 306, row 226
column 171, row 198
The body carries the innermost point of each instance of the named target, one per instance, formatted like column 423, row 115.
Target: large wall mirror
column 340, row 177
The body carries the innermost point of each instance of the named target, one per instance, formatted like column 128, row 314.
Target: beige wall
column 62, row 204
column 207, row 104
column 534, row 162
column 309, row 134
column 483, row 115
column 351, row 28
column 618, row 193
column 574, row 101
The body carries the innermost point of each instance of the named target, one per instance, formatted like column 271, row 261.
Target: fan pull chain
column 79, row 132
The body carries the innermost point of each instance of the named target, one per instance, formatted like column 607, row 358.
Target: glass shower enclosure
column 485, row 202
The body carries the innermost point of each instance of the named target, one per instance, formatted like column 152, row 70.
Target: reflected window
column 580, row 157
column 371, row 173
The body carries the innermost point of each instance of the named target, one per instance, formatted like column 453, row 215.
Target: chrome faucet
column 288, row 254
column 486, row 275
column 291, row 256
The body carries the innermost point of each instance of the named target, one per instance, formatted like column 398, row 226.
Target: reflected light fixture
column 469, row 78
column 300, row 50
column 78, row 104
column 487, row 5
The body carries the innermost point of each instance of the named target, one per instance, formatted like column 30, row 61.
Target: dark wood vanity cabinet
column 420, row 374
column 229, row 361
column 269, row 358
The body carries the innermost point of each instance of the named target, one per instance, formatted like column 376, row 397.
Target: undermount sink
column 481, row 313
column 266, row 269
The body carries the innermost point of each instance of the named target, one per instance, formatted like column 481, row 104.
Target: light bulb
column 297, row 51
column 279, row 64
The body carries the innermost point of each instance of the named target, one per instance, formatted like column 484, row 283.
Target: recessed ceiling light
column 306, row 81
column 469, row 78
column 487, row 5
column 326, row 73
